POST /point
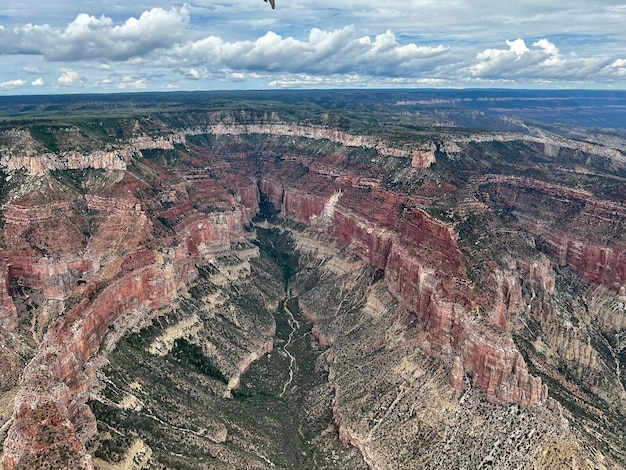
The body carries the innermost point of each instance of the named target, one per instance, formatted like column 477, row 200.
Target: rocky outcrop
column 8, row 312
column 552, row 143
column 604, row 265
column 55, row 279
column 508, row 298
column 573, row 227
column 116, row 280
column 318, row 132
column 422, row 267
column 113, row 252
column 23, row 217
column 424, row 158
column 33, row 157
column 203, row 235
column 235, row 380
column 497, row 368
column 541, row 272
column 56, row 383
column 400, row 388
column 42, row 163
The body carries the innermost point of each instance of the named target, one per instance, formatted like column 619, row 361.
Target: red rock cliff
column 423, row 269
column 572, row 226
column 120, row 278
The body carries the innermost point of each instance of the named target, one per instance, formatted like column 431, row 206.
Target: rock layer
column 88, row 256
column 100, row 286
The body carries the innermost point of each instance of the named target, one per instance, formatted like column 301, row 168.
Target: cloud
column 129, row 83
column 518, row 47
column 68, row 77
column 237, row 77
column 547, row 47
column 397, row 43
column 353, row 81
column 12, row 84
column 91, row 38
column 491, row 60
column 619, row 66
column 542, row 61
column 324, row 52
column 32, row 70
column 196, row 73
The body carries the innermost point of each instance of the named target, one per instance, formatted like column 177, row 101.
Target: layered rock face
column 575, row 228
column 429, row 293
column 78, row 267
column 8, row 318
column 423, row 269
column 395, row 399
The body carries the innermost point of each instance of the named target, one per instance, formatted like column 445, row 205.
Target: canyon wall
column 119, row 278
column 423, row 268
column 576, row 229
column 86, row 258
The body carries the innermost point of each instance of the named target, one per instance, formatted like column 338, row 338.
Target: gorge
column 265, row 283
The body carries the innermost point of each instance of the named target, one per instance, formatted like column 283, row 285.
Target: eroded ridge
column 449, row 298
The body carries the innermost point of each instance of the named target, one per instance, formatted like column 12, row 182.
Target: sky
column 98, row 46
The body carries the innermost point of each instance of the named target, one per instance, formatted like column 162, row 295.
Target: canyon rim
column 351, row 280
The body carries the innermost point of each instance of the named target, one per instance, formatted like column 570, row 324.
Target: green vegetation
column 45, row 136
column 281, row 409
column 445, row 214
column 164, row 158
column 189, row 353
column 278, row 246
column 182, row 396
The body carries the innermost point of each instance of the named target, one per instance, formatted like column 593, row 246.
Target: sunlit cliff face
column 433, row 301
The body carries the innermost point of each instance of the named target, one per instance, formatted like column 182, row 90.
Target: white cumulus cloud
column 518, row 47
column 12, row 84
column 547, row 47
column 324, row 52
column 398, row 43
column 542, row 61
column 90, row 38
column 68, row 77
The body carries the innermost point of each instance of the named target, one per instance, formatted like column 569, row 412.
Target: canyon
column 235, row 288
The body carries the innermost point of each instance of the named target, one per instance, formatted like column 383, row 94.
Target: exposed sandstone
column 56, row 384
column 8, row 312
column 598, row 264
column 142, row 253
column 234, row 381
column 186, row 329
column 38, row 164
column 424, row 158
column 415, row 276
column 31, row 157
column 600, row 259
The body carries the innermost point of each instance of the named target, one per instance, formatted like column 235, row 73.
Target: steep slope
column 228, row 289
